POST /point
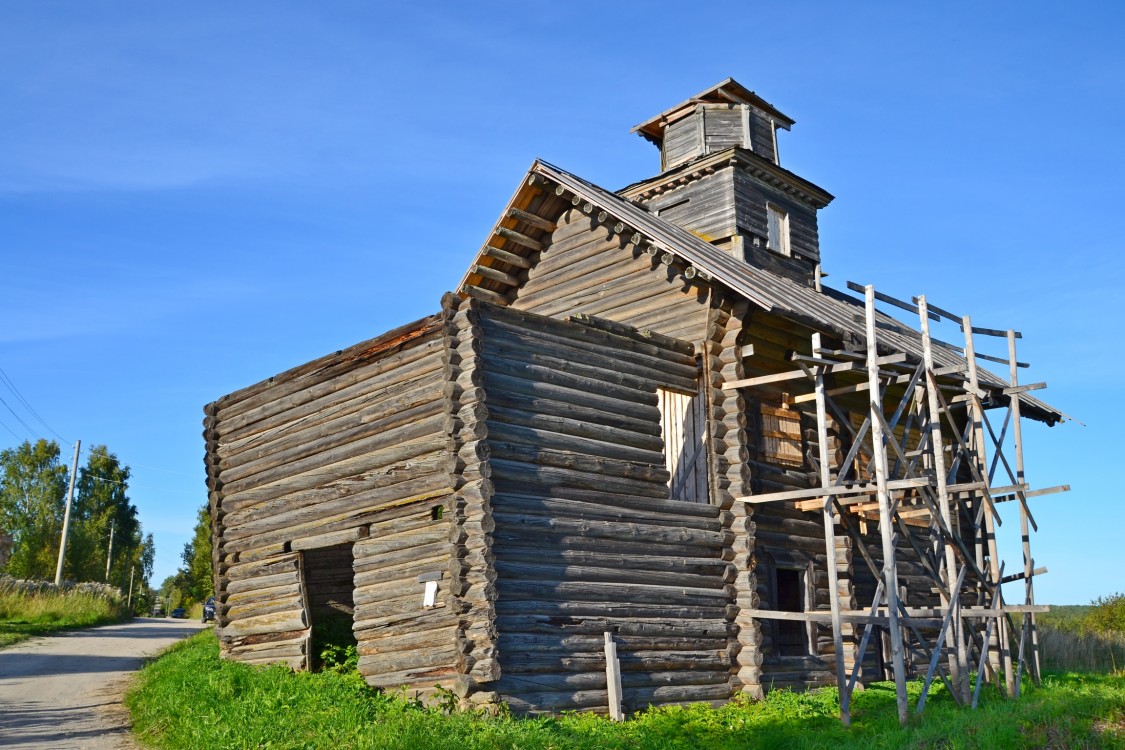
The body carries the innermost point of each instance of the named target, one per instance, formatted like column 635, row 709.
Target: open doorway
column 329, row 582
column 791, row 592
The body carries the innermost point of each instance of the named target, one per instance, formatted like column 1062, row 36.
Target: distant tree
column 197, row 559
column 32, row 497
column 1108, row 614
column 101, row 503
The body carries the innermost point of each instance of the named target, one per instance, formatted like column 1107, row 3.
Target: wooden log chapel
column 642, row 456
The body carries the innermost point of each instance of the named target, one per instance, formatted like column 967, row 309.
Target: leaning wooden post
column 613, row 678
column 830, row 543
column 954, row 636
column 879, row 449
column 1025, row 533
column 1002, row 650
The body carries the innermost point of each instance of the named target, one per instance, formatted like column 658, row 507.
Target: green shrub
column 1108, row 614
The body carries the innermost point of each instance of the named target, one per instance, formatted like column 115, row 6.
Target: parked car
column 179, row 613
column 209, row 609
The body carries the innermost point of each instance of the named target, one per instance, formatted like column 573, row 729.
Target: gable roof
column 548, row 191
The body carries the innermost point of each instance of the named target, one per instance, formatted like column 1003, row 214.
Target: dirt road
column 64, row 691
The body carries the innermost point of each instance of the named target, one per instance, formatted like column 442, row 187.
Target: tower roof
column 727, row 91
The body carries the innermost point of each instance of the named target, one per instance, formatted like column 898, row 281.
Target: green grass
column 189, row 698
column 23, row 615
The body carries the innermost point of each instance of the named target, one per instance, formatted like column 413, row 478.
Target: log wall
column 350, row 449
column 585, row 539
column 588, row 269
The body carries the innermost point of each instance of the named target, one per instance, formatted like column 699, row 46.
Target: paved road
column 64, row 691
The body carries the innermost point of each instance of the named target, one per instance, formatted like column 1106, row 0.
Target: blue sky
column 195, row 197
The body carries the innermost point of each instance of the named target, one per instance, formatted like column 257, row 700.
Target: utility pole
column 132, row 570
column 66, row 515
column 109, row 553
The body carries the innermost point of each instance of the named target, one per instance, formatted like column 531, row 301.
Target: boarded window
column 781, row 436
column 778, row 229
column 683, row 423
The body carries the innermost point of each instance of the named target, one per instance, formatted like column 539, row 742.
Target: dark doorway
column 329, row 583
column 792, row 635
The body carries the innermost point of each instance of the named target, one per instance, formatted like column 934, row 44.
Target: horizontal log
column 614, row 576
column 619, row 626
column 615, row 611
column 600, row 591
column 529, row 552
column 532, row 662
column 272, row 623
column 636, row 512
column 611, row 530
column 237, row 585
column 330, row 539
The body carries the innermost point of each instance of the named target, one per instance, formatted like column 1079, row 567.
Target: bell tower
column 721, row 178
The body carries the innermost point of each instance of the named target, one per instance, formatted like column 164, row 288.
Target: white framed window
column 777, row 228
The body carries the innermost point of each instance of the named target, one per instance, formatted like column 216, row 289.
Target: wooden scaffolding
column 923, row 475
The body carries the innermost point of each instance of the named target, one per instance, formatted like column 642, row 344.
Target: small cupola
column 721, row 179
column 725, row 115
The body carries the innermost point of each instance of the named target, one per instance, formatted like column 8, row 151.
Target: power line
column 4, row 378
column 9, row 429
column 17, row 416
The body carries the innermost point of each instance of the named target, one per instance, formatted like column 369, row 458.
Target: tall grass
column 189, row 698
column 1084, row 638
column 30, row 608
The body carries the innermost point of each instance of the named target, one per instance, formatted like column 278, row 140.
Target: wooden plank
column 852, row 488
column 890, row 576
column 613, row 678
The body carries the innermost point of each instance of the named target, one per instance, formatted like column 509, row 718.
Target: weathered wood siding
column 586, row 540
column 751, row 198
column 724, row 125
column 324, row 454
column 588, row 269
column 681, row 142
column 762, row 136
column 704, row 206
